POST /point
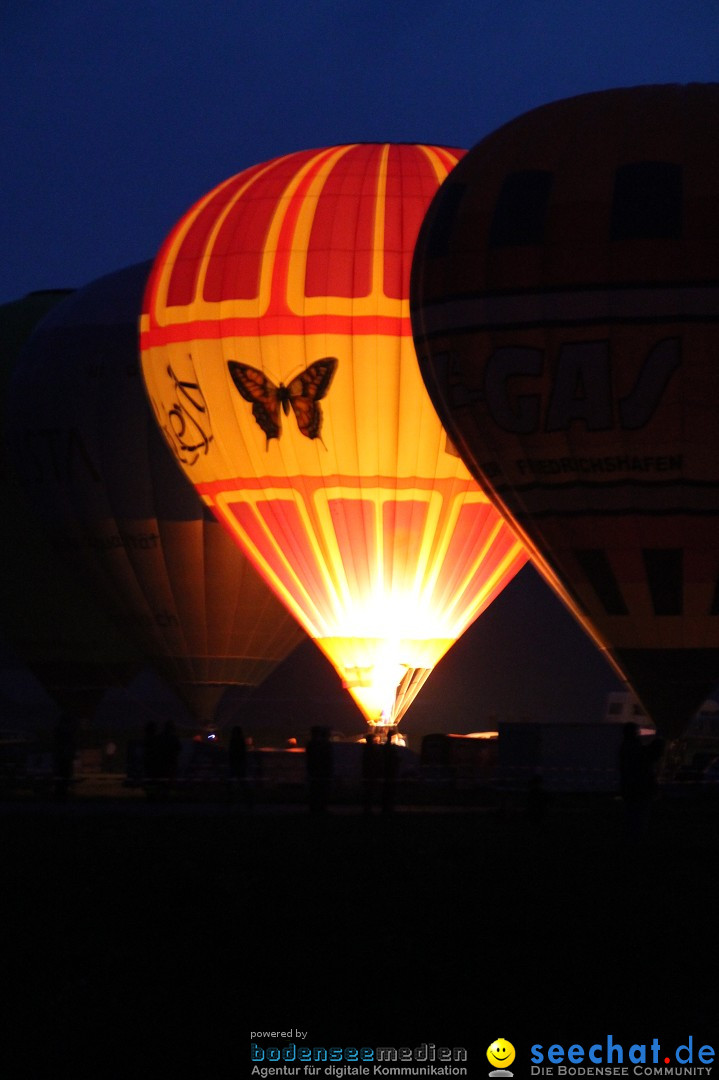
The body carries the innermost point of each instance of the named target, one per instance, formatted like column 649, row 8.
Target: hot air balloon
column 114, row 503
column 277, row 353
column 565, row 313
column 54, row 626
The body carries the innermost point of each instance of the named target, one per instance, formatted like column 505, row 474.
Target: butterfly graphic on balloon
column 302, row 394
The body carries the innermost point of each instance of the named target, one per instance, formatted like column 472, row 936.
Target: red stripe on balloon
column 410, row 186
column 448, row 488
column 279, row 534
column 341, row 247
column 287, row 242
column 188, row 259
column 267, row 326
column 353, row 521
column 403, row 524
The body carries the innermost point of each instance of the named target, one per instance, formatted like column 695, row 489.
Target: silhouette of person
column 237, row 754
column 168, row 748
column 372, row 770
column 537, row 799
column 63, row 755
column 318, row 760
column 110, row 755
column 390, row 770
column 238, row 763
column 637, row 777
column 150, row 759
column 149, row 749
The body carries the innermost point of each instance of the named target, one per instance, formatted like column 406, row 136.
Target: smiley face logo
column 500, row 1054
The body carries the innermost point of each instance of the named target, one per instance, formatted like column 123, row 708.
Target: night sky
column 118, row 116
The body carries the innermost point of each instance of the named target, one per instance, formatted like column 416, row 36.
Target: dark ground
column 150, row 940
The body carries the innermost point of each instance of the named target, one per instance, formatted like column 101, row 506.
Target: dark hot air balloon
column 115, row 504
column 565, row 312
column 53, row 625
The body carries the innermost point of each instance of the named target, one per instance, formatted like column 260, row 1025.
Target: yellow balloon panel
column 278, row 357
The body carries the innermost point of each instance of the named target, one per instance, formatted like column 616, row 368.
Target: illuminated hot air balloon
column 116, row 506
column 565, row 310
column 277, row 353
column 54, row 626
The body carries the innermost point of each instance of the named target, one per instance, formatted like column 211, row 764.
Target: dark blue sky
column 118, row 115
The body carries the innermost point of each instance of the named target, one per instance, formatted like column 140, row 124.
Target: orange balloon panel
column 565, row 309
column 277, row 353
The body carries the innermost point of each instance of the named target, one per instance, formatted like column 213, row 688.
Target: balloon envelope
column 114, row 502
column 278, row 356
column 565, row 311
column 53, row 625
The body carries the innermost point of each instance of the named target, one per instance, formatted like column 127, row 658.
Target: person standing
column 168, row 752
column 64, row 749
column 390, row 772
column 372, row 767
column 318, row 760
column 638, row 763
column 237, row 760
